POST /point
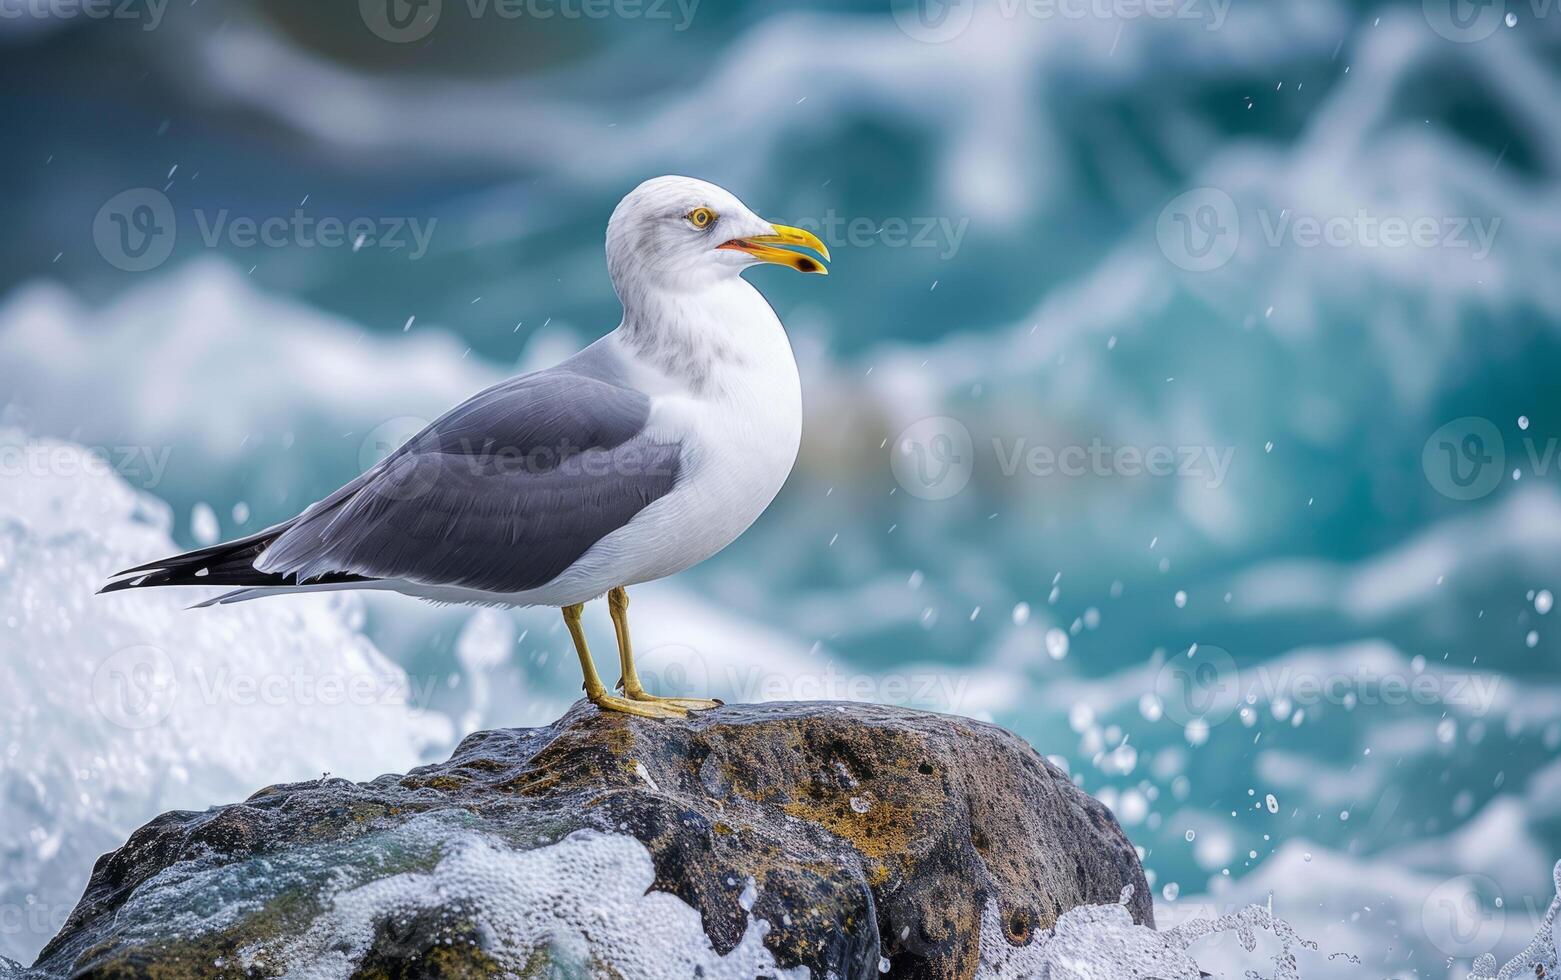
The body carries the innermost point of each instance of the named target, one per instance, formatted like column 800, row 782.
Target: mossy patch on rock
column 817, row 835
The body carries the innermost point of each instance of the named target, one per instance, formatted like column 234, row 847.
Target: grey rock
column 819, row 835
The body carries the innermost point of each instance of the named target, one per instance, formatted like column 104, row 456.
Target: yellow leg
column 618, row 605
column 595, row 691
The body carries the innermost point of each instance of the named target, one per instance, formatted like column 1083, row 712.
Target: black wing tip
column 151, row 566
column 122, row 583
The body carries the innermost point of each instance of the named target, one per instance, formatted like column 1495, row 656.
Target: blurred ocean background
column 1183, row 397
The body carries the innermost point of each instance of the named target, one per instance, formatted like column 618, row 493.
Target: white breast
column 740, row 427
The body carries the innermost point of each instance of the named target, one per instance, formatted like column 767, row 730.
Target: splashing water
column 1101, row 942
column 1541, row 957
column 1245, row 924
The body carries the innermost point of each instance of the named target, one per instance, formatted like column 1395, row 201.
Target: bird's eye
column 701, row 217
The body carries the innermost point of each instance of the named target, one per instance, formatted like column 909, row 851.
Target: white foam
column 115, row 708
column 1101, row 942
column 585, row 900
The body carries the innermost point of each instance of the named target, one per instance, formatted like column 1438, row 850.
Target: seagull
column 640, row 456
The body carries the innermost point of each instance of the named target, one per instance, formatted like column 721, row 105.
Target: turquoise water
column 1338, row 352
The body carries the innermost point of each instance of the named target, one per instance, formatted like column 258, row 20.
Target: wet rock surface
column 750, row 840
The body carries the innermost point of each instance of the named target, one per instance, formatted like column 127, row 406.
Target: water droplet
column 1080, row 717
column 1149, row 706
column 203, row 525
column 1056, row 643
column 1197, row 731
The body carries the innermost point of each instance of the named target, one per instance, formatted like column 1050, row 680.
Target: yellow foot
column 655, row 708
column 688, row 704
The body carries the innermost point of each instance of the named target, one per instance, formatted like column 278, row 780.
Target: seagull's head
column 679, row 233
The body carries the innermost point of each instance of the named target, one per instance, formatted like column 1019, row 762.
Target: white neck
column 700, row 337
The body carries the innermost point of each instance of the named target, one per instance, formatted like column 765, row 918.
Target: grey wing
column 501, row 494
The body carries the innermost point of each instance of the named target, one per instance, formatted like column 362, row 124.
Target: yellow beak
column 762, row 248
